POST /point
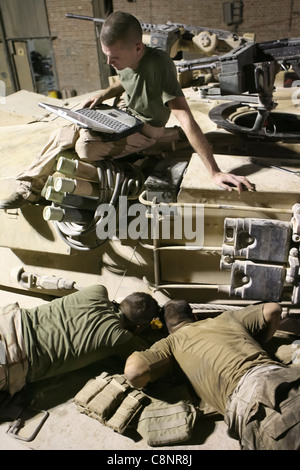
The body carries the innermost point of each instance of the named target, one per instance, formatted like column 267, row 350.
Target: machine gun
column 247, row 75
column 176, row 37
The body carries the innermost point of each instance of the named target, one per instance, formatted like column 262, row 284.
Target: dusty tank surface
column 215, row 248
column 226, row 247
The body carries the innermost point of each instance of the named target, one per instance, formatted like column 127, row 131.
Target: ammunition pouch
column 110, row 400
column 113, row 402
column 162, row 423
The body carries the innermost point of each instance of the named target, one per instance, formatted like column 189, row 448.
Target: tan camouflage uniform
column 13, row 360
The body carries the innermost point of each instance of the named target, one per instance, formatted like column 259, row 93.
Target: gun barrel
column 82, row 17
column 197, row 64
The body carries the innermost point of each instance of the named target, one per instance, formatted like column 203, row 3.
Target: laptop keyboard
column 100, row 118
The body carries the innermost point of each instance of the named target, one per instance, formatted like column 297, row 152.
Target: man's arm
column 150, row 365
column 181, row 110
column 116, row 89
column 272, row 316
column 261, row 320
column 137, row 372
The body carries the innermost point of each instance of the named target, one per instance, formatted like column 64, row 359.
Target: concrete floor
column 67, row 429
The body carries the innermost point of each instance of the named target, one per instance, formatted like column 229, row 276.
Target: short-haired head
column 121, row 26
column 176, row 314
column 140, row 308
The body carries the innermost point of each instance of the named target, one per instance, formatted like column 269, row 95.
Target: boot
column 14, row 201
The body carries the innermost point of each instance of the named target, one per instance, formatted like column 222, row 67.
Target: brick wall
column 75, row 46
column 270, row 19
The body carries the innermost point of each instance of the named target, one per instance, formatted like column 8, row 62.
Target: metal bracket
column 255, row 239
column 257, row 281
column 256, row 251
column 19, row 424
column 296, row 223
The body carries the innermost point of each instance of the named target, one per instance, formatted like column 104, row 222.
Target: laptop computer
column 112, row 123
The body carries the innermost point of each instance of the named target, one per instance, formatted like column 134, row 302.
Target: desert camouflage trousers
column 13, row 359
column 89, row 147
column 264, row 410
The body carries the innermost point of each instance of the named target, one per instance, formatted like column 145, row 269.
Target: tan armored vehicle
column 237, row 248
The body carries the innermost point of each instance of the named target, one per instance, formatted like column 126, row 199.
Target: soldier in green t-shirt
column 71, row 332
column 224, row 360
column 147, row 77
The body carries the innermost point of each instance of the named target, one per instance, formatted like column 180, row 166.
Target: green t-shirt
column 74, row 331
column 214, row 353
column 151, row 86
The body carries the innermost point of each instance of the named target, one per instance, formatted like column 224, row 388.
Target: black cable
column 115, row 180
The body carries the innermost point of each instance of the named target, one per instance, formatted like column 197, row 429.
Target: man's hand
column 226, row 180
column 113, row 91
column 180, row 109
column 93, row 102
